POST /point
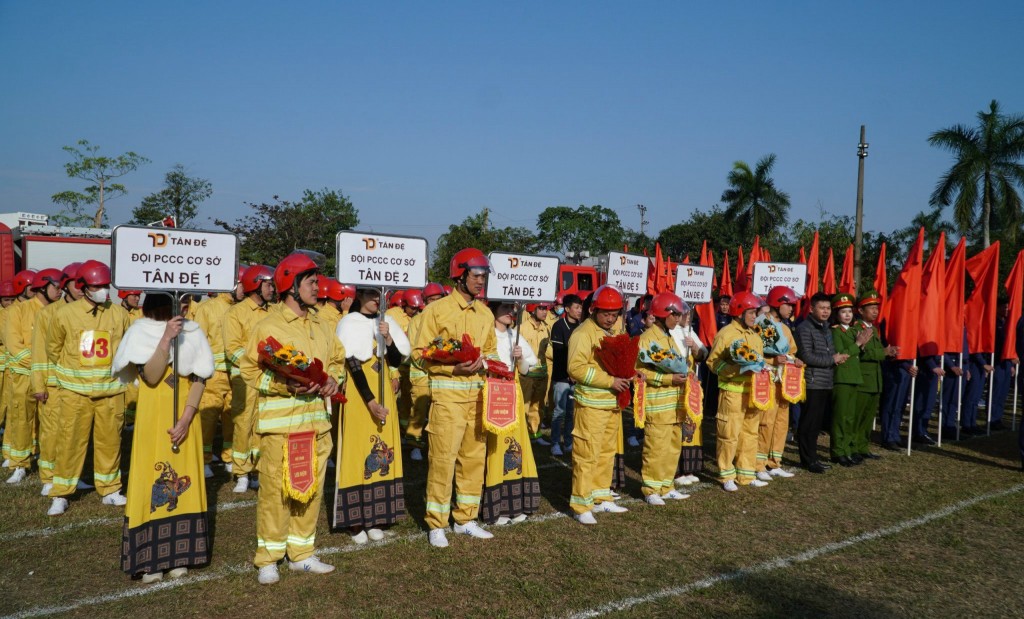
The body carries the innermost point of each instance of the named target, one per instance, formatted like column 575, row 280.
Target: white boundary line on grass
column 784, row 562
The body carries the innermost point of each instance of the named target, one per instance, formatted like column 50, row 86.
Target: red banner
column 300, row 465
column 694, row 397
column 761, row 388
column 793, row 385
column 500, row 405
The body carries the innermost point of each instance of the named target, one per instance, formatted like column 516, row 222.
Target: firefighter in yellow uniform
column 663, row 402
column 215, row 405
column 285, row 516
column 7, row 299
column 239, row 320
column 597, row 433
column 419, row 383
column 80, row 347
column 737, row 418
column 329, row 300
column 457, row 443
column 21, row 286
column 537, row 333
column 771, row 434
column 44, row 381
column 412, row 305
column 131, row 302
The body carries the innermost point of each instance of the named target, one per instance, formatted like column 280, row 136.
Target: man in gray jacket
column 815, row 348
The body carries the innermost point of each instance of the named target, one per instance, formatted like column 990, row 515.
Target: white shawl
column 140, row 342
column 358, row 334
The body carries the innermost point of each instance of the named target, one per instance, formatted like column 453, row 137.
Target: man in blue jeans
column 561, row 384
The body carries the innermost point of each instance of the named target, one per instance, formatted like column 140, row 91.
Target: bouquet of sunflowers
column 292, row 364
column 451, row 351
column 746, row 357
column 664, row 360
column 771, row 334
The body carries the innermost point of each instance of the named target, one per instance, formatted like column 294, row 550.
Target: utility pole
column 858, row 235
column 643, row 217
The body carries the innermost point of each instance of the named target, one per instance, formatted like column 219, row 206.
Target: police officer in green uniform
column 848, row 341
column 869, row 392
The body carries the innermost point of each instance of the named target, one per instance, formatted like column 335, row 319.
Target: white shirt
column 506, row 341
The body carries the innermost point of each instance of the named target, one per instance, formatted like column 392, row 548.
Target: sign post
column 768, row 275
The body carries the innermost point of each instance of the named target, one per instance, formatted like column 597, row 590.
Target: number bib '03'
column 94, row 349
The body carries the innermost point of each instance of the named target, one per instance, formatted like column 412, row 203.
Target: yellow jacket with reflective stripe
column 4, row 313
column 329, row 314
column 416, row 371
column 18, row 335
column 538, row 334
column 720, row 358
column 278, row 411
column 450, row 317
column 42, row 372
column 661, row 395
column 63, row 347
column 237, row 325
column 593, row 384
column 399, row 316
column 210, row 318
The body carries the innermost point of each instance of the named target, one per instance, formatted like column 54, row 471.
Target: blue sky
column 423, row 113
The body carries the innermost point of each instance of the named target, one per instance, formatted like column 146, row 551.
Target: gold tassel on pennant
column 794, row 384
column 762, row 390
column 639, row 403
column 300, row 474
column 693, row 400
column 501, row 405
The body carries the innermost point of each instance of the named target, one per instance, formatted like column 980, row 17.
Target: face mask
column 559, row 311
column 99, row 297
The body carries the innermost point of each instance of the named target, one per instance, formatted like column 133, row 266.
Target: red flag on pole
column 812, row 269
column 828, row 279
column 953, row 308
column 981, row 306
column 1015, row 293
column 905, row 303
column 755, row 256
column 741, row 273
column 882, row 284
column 725, row 285
column 707, row 326
column 930, row 336
column 846, row 283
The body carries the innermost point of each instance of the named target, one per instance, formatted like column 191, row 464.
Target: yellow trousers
column 245, row 444
column 22, row 422
column 420, row 391
column 458, row 447
column 662, row 444
column 49, row 436
column 736, row 443
column 284, row 525
column 771, row 434
column 595, row 439
column 535, row 390
column 78, row 415
column 213, row 407
column 404, row 402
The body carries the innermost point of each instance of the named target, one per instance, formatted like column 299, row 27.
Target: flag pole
column 910, row 420
column 942, row 365
column 1013, row 414
column 960, row 395
column 991, row 383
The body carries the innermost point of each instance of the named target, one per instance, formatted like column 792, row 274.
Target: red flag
column 686, row 260
column 707, row 327
column 812, row 269
column 882, row 284
column 905, row 303
column 765, row 256
column 725, row 286
column 846, row 280
column 1015, row 293
column 953, row 306
column 741, row 272
column 803, row 256
column 981, row 306
column 930, row 336
column 625, row 248
column 755, row 256
column 828, row 280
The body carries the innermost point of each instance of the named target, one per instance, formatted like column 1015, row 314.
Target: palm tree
column 986, row 172
column 752, row 200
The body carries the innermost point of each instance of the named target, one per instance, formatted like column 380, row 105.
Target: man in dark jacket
column 562, row 414
column 815, row 348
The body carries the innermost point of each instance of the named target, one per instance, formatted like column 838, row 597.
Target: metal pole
column 960, row 395
column 942, row 364
column 858, row 235
column 381, row 350
column 1013, row 414
column 910, row 422
column 991, row 383
column 175, row 310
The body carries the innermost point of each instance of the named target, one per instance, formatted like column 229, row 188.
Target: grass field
column 939, row 533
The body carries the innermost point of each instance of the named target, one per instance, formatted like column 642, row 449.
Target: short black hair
column 571, row 299
column 818, row 297
column 157, row 306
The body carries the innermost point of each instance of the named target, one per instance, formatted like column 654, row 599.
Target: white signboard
column 628, row 272
column 372, row 260
column 768, row 275
column 694, row 283
column 146, row 258
column 522, row 277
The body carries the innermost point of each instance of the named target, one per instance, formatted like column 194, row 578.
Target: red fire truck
column 27, row 241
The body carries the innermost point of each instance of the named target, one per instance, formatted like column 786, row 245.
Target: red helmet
column 469, row 258
column 348, row 291
column 22, row 280
column 7, row 289
column 433, row 289
column 447, row 289
column 413, row 298
column 560, row 298
column 124, row 294
column 782, row 294
column 47, row 276
column 331, row 289
column 607, row 298
column 665, row 303
column 94, row 273
column 324, row 283
column 254, row 276
column 395, row 300
column 241, row 272
column 742, row 301
column 70, row 273
column 290, row 268
column 533, row 307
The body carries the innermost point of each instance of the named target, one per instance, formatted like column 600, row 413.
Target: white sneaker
column 437, row 538
column 519, row 518
column 757, row 483
column 178, row 572
column 311, row 565
column 268, row 574
column 116, row 499
column 375, row 534
column 542, row 442
column 764, row 476
column 615, row 495
column 18, row 476
column 610, row 507
column 502, row 521
column 730, row 486
column 655, row 499
column 472, row 529
column 81, row 485
column 556, row 450
column 416, row 454
column 7, row 463
column 207, row 472
column 361, row 537
column 682, row 480
column 632, row 442
column 675, row 495
column 241, row 485
column 586, row 518
column 46, row 489
column 228, row 467
column 152, row 577
column 780, row 473
column 58, row 506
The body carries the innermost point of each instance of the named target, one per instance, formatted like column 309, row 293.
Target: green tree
column 476, row 231
column 985, row 174
column 594, row 229
column 688, row 236
column 752, row 201
column 99, row 171
column 638, row 241
column 275, row 230
column 179, row 198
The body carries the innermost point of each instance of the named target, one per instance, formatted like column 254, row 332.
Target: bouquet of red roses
column 292, row 364
column 451, row 351
column 617, row 355
column 498, row 369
